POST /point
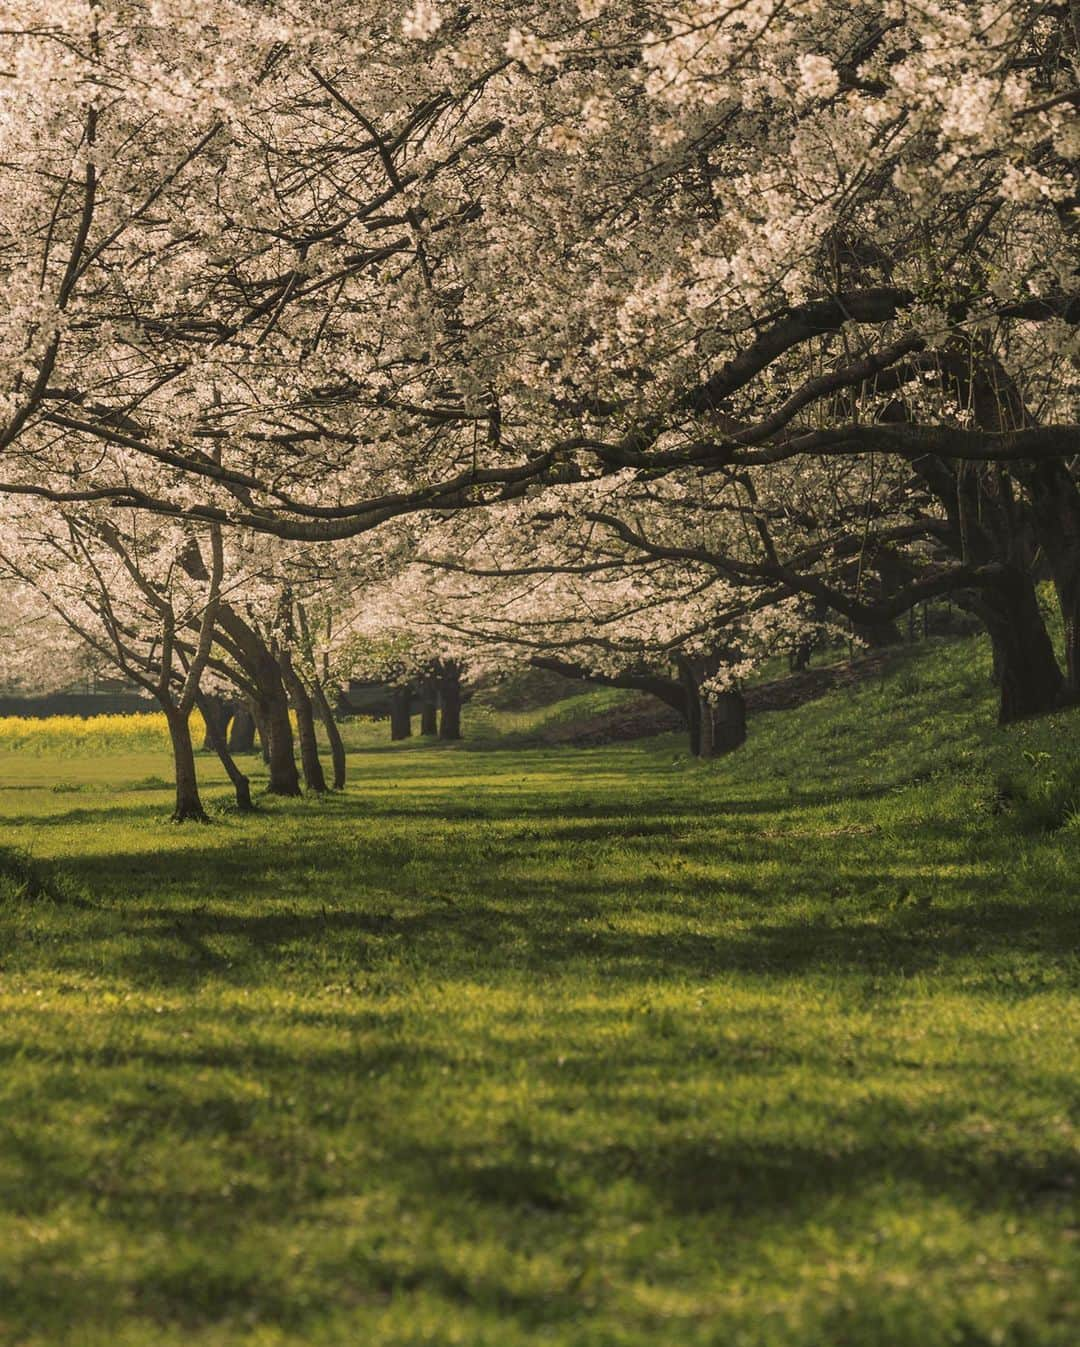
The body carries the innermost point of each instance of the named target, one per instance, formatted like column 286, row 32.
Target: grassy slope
column 569, row 1047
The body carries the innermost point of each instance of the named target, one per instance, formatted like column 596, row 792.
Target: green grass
column 591, row 1047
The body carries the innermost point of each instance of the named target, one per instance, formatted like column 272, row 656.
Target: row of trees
column 637, row 340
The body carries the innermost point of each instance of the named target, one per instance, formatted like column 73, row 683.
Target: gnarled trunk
column 1025, row 666
column 218, row 710
column 241, row 785
column 271, row 706
column 1055, row 501
column 188, row 804
column 278, row 744
column 400, row 713
column 305, row 725
column 333, row 733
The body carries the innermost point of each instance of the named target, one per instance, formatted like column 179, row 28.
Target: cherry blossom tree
column 123, row 593
column 308, row 271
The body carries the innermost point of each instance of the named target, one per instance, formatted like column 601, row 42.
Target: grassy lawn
column 591, row 1047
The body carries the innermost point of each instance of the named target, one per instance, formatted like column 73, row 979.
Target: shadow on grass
column 745, row 1191
column 511, row 915
column 595, row 817
column 206, row 1290
column 759, row 1182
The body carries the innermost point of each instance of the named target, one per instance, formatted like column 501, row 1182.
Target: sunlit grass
column 595, row 1048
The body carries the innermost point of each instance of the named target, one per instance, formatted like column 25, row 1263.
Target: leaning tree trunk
column 333, row 733
column 1068, row 594
column 429, row 708
column 258, row 715
column 241, row 785
column 400, row 713
column 450, row 702
column 314, row 779
column 219, row 710
column 188, row 805
column 271, row 706
column 242, row 731
column 1025, row 667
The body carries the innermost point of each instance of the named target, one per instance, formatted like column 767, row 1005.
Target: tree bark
column 258, row 715
column 314, row 778
column 240, row 783
column 271, row 708
column 333, row 733
column 189, row 806
column 400, row 713
column 1029, row 676
column 284, row 778
column 242, row 731
column 219, row 710
column 988, row 526
column 1055, row 504
column 799, row 657
column 725, row 715
column 716, row 721
column 692, row 710
column 429, row 708
column 879, row 635
column 1025, row 666
column 450, row 701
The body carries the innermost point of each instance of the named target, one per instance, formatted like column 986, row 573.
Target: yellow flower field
column 73, row 734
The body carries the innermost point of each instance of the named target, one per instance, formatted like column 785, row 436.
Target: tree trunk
column 278, row 745
column 716, row 721
column 723, row 723
column 692, row 708
column 1026, row 668
column 188, row 805
column 263, row 727
column 429, row 708
column 1055, row 500
column 799, row 658
column 988, row 528
column 314, row 779
column 400, row 713
column 242, row 732
column 241, row 785
column 880, row 635
column 725, row 714
column 1068, row 595
column 218, row 709
column 333, row 733
column 450, row 702
column 271, row 707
